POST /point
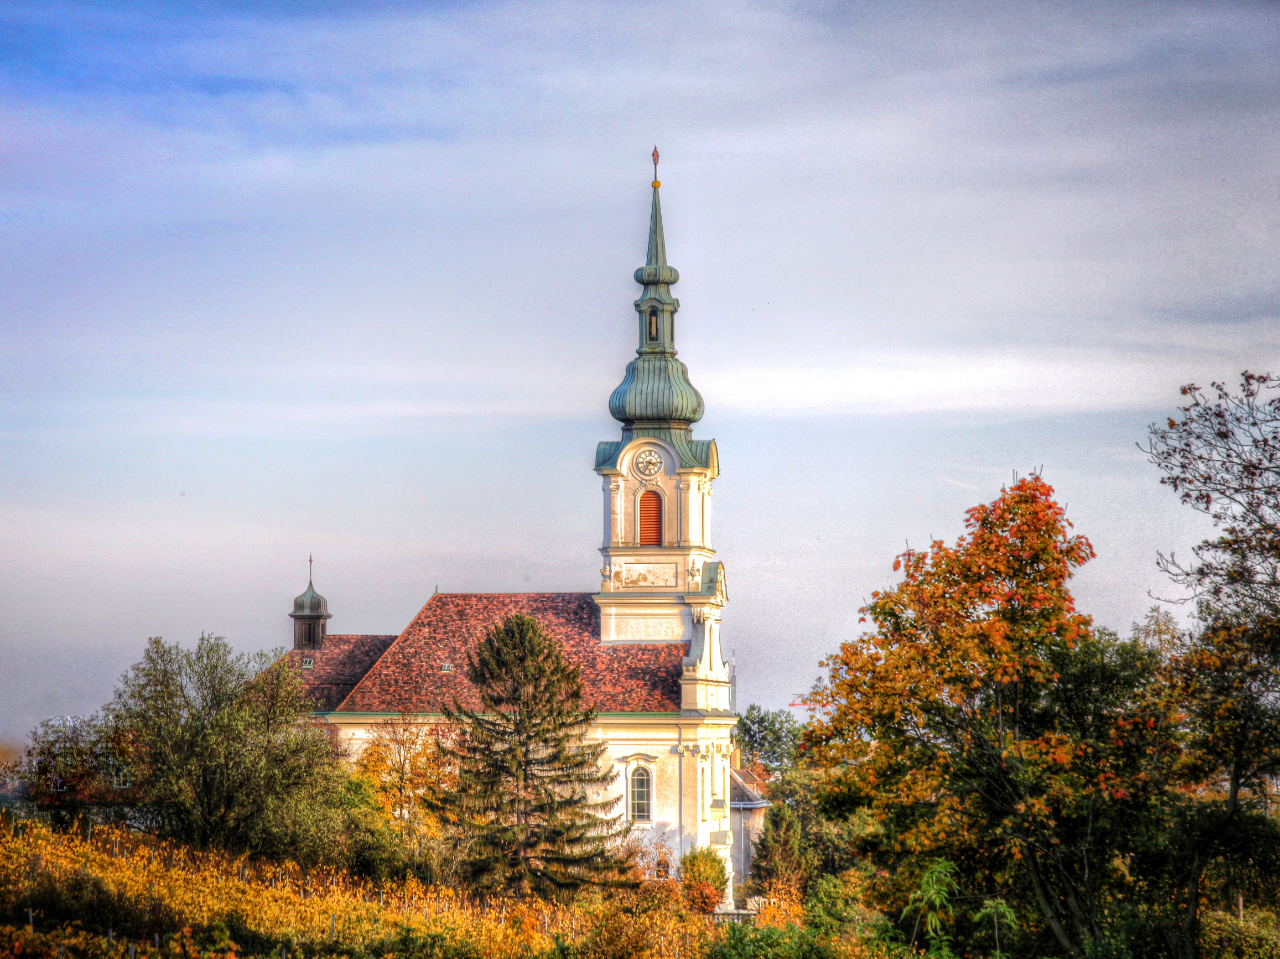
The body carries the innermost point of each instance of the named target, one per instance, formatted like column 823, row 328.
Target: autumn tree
column 529, row 783
column 1219, row 842
column 74, row 768
column 985, row 721
column 405, row 764
column 703, row 878
column 1222, row 457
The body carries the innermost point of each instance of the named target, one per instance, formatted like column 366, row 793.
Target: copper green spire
column 656, row 398
column 657, row 244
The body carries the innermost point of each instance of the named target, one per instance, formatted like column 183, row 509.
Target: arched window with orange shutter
column 650, row 519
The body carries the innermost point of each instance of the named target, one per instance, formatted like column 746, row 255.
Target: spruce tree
column 779, row 866
column 528, row 782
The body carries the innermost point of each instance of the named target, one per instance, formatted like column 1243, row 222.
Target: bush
column 831, row 908
column 1222, row 935
column 744, row 942
column 704, row 878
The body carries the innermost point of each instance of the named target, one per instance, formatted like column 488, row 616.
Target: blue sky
column 355, row 280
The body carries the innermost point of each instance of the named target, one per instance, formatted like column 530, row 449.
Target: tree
column 985, row 721
column 780, row 864
column 1159, row 631
column 222, row 752
column 703, row 878
column 206, row 747
column 72, row 768
column 1222, row 457
column 769, row 736
column 931, row 904
column 405, row 765
column 1222, row 840
column 403, row 762
column 830, row 835
column 528, row 782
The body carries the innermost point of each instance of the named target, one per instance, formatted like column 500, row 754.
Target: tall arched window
column 650, row 519
column 641, row 795
column 653, row 326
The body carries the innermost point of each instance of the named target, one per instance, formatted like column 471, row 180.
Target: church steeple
column 655, row 397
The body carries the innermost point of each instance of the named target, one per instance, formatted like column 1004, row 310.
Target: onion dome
column 656, row 395
column 311, row 605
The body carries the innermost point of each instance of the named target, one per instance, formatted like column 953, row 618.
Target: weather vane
column 655, row 167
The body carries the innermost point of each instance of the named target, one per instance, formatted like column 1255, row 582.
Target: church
column 647, row 641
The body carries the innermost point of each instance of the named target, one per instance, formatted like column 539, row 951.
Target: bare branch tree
column 1222, row 457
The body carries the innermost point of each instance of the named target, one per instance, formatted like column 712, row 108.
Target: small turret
column 310, row 610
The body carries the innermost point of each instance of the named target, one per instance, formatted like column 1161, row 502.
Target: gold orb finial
column 656, row 182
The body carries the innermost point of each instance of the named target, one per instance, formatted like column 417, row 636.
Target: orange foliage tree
column 984, row 719
column 405, row 765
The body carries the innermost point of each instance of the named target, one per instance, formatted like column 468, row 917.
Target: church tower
column 310, row 611
column 660, row 581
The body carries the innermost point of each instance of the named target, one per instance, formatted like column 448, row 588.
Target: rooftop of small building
column 332, row 671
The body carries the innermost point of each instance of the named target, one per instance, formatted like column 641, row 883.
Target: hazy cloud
column 394, row 242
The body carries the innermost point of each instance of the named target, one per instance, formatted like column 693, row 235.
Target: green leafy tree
column 930, row 905
column 769, row 736
column 780, row 863
column 528, row 781
column 998, row 913
column 832, row 836
column 205, row 746
column 223, row 754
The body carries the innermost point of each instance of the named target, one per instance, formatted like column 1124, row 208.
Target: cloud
column 394, row 242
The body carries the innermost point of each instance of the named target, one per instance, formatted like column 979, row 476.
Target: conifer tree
column 779, row 865
column 528, row 782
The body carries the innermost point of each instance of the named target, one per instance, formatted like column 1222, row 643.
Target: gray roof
column 310, row 603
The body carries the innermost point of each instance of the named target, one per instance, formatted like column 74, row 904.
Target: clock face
column 648, row 462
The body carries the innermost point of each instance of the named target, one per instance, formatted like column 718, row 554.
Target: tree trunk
column 1049, row 913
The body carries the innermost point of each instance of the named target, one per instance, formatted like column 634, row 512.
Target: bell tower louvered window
column 650, row 519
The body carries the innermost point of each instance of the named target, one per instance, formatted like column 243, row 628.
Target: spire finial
column 656, row 182
column 309, row 562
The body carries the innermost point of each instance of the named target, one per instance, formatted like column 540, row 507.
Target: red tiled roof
column 639, row 678
column 340, row 663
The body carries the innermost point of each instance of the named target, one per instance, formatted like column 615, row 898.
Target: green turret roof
column 655, row 397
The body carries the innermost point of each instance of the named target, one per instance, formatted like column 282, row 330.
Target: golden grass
column 131, row 888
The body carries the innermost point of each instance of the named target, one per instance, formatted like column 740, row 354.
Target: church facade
column 647, row 641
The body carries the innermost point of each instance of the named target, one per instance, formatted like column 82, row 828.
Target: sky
column 354, row 281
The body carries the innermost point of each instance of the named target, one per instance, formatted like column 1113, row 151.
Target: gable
column 412, row 676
